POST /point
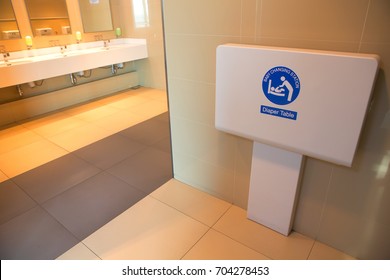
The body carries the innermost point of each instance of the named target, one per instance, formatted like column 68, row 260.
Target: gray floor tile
column 91, row 204
column 34, row 235
column 164, row 145
column 13, row 201
column 55, row 177
column 109, row 151
column 148, row 132
column 146, row 170
column 163, row 117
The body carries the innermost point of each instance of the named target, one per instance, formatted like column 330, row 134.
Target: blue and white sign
column 282, row 113
column 281, row 85
column 320, row 116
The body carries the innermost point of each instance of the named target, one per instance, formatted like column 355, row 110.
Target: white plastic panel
column 316, row 109
column 274, row 186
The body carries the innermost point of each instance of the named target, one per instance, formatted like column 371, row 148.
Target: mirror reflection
column 8, row 25
column 96, row 15
column 48, row 17
column 141, row 13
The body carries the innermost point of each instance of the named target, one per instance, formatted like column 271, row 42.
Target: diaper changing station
column 292, row 103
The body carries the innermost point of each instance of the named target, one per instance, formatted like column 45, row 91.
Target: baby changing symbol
column 281, row 85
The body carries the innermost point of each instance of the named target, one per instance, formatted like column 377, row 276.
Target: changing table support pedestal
column 274, row 187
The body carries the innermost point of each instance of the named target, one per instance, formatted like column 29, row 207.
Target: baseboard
column 46, row 103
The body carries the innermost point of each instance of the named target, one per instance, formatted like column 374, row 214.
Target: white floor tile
column 42, row 120
column 119, row 121
column 54, row 125
column 16, row 137
column 28, row 157
column 192, row 202
column 155, row 93
column 130, row 101
column 3, row 177
column 78, row 252
column 321, row 251
column 114, row 97
column 79, row 137
column 83, row 108
column 96, row 113
column 149, row 93
column 151, row 108
column 148, row 230
column 264, row 240
column 216, row 246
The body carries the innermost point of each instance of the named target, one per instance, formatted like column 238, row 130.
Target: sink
column 37, row 64
column 11, row 62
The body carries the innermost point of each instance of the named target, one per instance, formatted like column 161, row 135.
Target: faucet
column 19, row 89
column 106, row 42
column 63, row 50
column 114, row 69
column 5, row 55
column 73, row 78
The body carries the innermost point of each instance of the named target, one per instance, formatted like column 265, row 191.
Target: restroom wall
column 347, row 208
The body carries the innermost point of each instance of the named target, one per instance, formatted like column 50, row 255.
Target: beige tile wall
column 343, row 207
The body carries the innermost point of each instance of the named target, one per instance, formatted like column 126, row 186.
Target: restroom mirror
column 8, row 24
column 96, row 15
column 48, row 17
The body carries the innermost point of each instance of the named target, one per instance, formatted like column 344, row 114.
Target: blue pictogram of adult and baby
column 281, row 85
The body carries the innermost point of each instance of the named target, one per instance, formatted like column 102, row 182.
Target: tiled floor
column 177, row 222
column 84, row 183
